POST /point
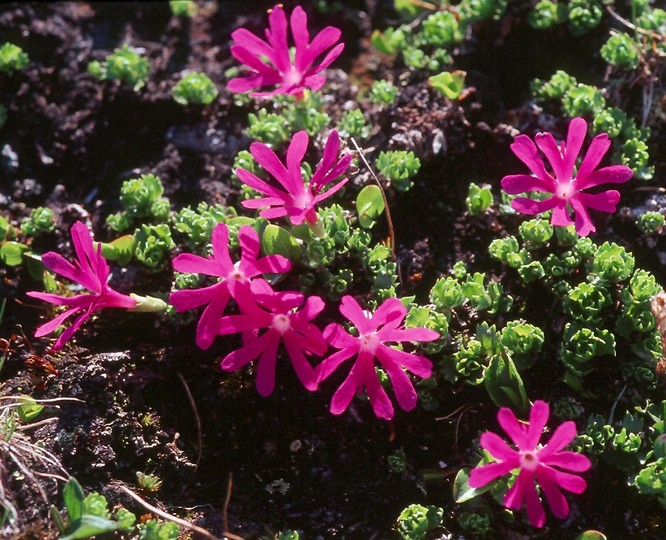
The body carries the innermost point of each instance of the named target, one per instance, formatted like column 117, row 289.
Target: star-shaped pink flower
column 374, row 332
column 270, row 62
column 233, row 277
column 544, row 463
column 567, row 188
column 281, row 321
column 298, row 200
column 91, row 271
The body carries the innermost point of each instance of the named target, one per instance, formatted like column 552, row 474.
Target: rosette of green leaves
column 522, row 340
column 621, row 51
column 152, row 245
column 584, row 15
column 546, row 14
column 415, row 521
column 41, row 220
column 651, row 222
column 141, row 198
column 353, row 124
column 183, row 8
column 581, row 344
column 479, row 199
column 12, row 58
column 197, row 225
column 399, row 167
column 612, row 262
column 383, row 92
column 125, row 64
column 195, row 89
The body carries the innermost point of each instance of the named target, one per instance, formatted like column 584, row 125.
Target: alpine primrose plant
column 299, row 199
column 374, row 332
column 270, row 62
column 234, row 277
column 283, row 321
column 566, row 188
column 547, row 464
column 90, row 271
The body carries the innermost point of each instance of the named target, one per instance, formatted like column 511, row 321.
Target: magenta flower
column 233, row 277
column 567, row 189
column 270, row 62
column 298, row 200
column 283, row 321
column 374, row 331
column 89, row 270
column 545, row 463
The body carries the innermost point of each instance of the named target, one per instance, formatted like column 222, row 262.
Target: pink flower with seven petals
column 567, row 190
column 89, row 270
column 270, row 62
column 374, row 332
column 282, row 321
column 233, row 277
column 547, row 464
column 298, row 200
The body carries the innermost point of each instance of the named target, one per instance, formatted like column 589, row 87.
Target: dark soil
column 151, row 401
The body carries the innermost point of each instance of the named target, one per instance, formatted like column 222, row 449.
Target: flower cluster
column 270, row 63
column 566, row 188
column 547, row 464
column 91, row 272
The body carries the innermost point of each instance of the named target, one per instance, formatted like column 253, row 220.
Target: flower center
column 237, row 274
column 292, row 77
column 529, row 460
column 565, row 190
column 369, row 342
column 281, row 323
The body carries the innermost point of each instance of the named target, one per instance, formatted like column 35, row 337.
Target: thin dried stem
column 631, row 25
column 197, row 419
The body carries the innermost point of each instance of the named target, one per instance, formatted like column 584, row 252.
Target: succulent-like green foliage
column 353, row 124
column 612, row 262
column 547, row 13
column 584, row 15
column 479, row 199
column 125, row 64
column 383, row 92
column 651, row 222
column 416, row 520
column 621, row 51
column 442, row 29
column 141, row 198
column 398, row 167
column 153, row 243
column 195, row 89
column 12, row 58
column 41, row 220
column 183, row 8
column 583, row 100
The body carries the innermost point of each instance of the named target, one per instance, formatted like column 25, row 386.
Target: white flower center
column 292, row 77
column 281, row 323
column 529, row 460
column 565, row 190
column 369, row 342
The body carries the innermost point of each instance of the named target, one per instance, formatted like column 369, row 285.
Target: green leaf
column 57, row 518
column 28, row 409
column 72, row 495
column 33, row 262
column 504, row 384
column 369, row 205
column 88, row 526
column 124, row 246
column 450, row 84
column 462, row 491
column 11, row 253
column 278, row 241
column 591, row 535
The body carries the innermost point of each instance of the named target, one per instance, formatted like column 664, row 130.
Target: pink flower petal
column 498, row 448
column 615, row 174
column 402, row 385
column 269, row 161
column 72, row 328
column 251, row 60
column 561, row 216
column 330, row 364
column 391, row 311
column 570, row 482
column 338, row 337
column 575, row 139
column 563, row 435
column 418, row 365
column 192, row 298
column 265, row 381
column 546, row 143
column 259, row 185
column 556, row 500
column 603, row 202
column 295, row 155
column 277, row 37
column 324, row 40
column 256, row 45
column 239, row 358
column 408, row 334
column 351, row 309
column 531, row 207
column 527, row 152
column 521, row 183
column 54, row 323
column 517, row 432
column 485, row 474
column 598, row 148
column 569, row 461
column 330, row 57
column 299, row 31
column 304, row 370
column 193, row 264
column 345, row 393
column 584, row 225
column 538, row 418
